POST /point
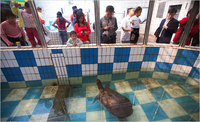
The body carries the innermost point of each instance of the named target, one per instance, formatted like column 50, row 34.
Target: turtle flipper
column 96, row 98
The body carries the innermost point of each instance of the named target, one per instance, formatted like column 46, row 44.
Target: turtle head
column 100, row 87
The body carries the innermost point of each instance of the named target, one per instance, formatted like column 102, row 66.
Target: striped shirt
column 28, row 19
column 10, row 30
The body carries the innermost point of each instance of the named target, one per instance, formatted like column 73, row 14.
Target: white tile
column 123, row 86
column 161, row 51
column 174, row 52
column 197, row 62
column 96, row 116
column 83, row 67
column 174, row 111
column 5, row 63
column 112, row 51
column 142, row 50
column 151, row 65
column 30, row 73
column 16, row 94
column 9, row 55
column 144, row 65
column 25, row 107
column 39, row 117
column 144, row 96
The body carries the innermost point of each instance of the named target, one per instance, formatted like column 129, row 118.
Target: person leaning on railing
column 82, row 29
column 108, row 26
column 11, row 32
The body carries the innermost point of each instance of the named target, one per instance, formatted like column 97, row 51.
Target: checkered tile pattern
column 153, row 99
column 27, row 104
column 47, row 64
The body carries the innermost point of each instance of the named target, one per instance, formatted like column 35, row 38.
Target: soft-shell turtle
column 115, row 103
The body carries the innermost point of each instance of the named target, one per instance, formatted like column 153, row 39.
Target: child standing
column 26, row 20
column 60, row 23
column 135, row 25
column 73, row 40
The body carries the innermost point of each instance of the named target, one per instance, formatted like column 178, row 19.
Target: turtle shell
column 115, row 103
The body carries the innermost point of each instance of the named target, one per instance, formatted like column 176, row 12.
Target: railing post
column 97, row 21
column 148, row 22
column 37, row 22
column 188, row 26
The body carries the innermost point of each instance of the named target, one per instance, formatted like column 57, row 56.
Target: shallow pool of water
column 154, row 96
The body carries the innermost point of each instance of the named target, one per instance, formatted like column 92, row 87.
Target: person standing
column 182, row 24
column 82, row 29
column 26, row 20
column 135, row 33
column 60, row 23
column 167, row 27
column 126, row 26
column 108, row 26
column 40, row 15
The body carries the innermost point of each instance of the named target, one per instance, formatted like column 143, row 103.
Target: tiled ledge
column 102, row 46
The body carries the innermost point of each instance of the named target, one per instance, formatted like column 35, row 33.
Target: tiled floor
column 152, row 99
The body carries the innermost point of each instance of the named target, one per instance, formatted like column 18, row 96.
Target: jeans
column 63, row 36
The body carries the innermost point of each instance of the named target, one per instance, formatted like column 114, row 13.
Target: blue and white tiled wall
column 46, row 64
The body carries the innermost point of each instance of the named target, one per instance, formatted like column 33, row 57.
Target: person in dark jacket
column 167, row 27
column 108, row 26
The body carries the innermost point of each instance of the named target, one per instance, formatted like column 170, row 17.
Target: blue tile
column 131, row 96
column 54, row 51
column 146, row 74
column 13, row 74
column 186, row 57
column 78, row 117
column 182, row 118
column 151, row 50
column 91, row 107
column 177, row 78
column 134, row 66
column 4, row 93
column 20, row 118
column 89, row 56
column 105, row 68
column 163, row 67
column 7, row 108
column 110, row 117
column 33, row 93
column 190, row 89
column 118, row 76
column 195, row 73
column 78, row 92
column 159, row 94
column 34, row 83
column 89, row 79
column 150, row 57
column 122, row 54
column 47, row 72
column 43, row 106
column 136, row 84
column 5, row 85
column 25, row 58
column 74, row 70
column 188, row 104
column 150, row 109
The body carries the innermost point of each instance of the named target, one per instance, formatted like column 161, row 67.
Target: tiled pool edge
column 39, row 64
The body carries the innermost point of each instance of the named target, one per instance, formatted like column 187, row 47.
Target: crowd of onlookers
column 12, row 31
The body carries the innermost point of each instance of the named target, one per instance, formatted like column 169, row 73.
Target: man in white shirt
column 126, row 26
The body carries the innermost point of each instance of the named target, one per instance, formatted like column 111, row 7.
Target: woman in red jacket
column 182, row 23
column 82, row 29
